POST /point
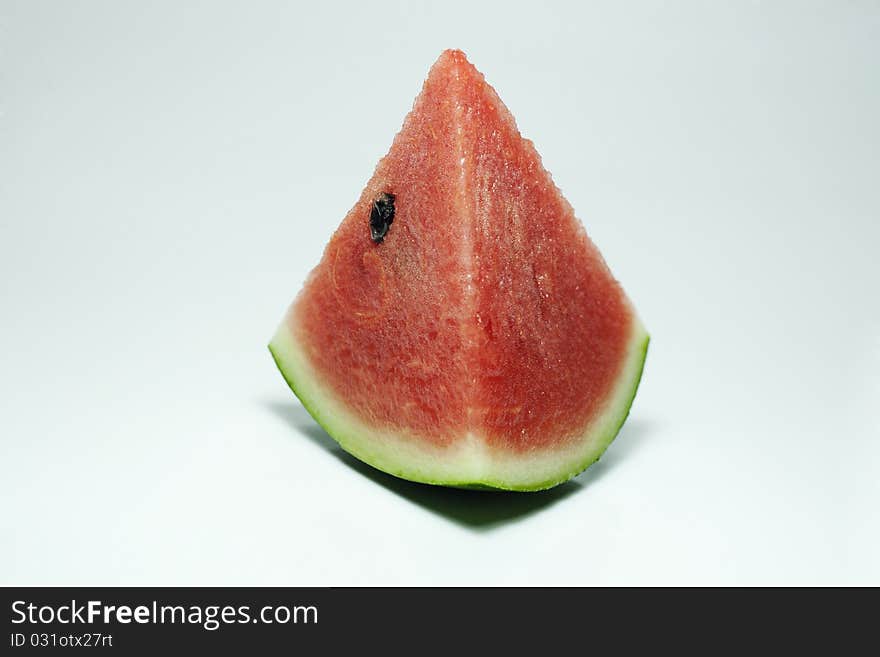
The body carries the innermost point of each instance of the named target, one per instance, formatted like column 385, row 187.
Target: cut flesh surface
column 482, row 341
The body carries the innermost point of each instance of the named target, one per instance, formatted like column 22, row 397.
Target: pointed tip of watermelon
column 454, row 55
column 454, row 61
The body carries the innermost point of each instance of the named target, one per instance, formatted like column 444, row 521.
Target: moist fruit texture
column 461, row 328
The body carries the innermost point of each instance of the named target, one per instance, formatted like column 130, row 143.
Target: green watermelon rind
column 430, row 465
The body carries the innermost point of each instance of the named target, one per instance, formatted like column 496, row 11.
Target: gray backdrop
column 169, row 173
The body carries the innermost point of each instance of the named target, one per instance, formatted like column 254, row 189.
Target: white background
column 169, row 173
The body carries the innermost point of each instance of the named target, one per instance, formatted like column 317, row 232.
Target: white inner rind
column 467, row 461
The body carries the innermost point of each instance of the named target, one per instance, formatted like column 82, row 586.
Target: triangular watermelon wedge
column 461, row 328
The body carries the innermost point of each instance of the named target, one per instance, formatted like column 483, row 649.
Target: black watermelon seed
column 381, row 216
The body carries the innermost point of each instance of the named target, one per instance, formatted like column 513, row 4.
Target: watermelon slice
column 461, row 328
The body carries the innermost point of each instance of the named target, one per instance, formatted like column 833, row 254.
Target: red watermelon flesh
column 482, row 341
